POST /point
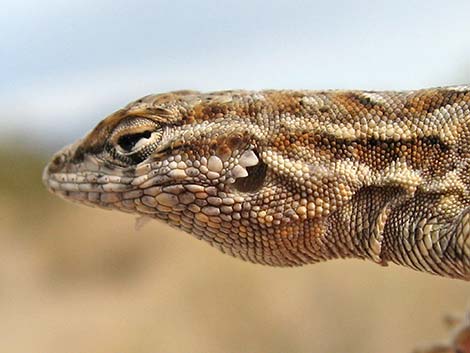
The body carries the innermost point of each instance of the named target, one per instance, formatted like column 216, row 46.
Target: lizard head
column 198, row 162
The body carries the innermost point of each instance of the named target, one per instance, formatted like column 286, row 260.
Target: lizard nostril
column 57, row 163
column 58, row 160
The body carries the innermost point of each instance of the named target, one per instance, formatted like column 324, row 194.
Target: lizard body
column 287, row 178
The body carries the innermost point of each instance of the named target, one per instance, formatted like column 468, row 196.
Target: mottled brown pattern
column 287, row 178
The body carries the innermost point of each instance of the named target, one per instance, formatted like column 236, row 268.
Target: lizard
column 289, row 177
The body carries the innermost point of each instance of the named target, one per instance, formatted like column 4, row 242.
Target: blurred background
column 74, row 279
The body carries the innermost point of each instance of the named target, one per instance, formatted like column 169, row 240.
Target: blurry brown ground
column 76, row 279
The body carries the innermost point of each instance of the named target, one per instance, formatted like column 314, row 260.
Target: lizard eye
column 131, row 141
column 135, row 139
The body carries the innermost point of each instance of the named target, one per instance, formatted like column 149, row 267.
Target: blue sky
column 64, row 65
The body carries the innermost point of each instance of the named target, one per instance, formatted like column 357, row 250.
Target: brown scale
column 354, row 104
column 286, row 102
column 358, row 102
column 429, row 101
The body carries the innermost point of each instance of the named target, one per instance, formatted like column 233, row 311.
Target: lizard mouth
column 156, row 186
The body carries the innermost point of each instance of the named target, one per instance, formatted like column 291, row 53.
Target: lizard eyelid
column 138, row 144
column 133, row 133
column 134, row 139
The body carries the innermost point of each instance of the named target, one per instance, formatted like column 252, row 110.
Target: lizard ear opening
column 255, row 179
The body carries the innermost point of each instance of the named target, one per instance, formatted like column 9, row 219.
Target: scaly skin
column 287, row 178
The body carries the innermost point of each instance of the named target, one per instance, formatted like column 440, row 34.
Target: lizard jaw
column 154, row 183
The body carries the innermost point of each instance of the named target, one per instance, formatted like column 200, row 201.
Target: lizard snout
column 58, row 164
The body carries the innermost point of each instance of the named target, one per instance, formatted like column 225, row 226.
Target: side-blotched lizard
column 287, row 178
